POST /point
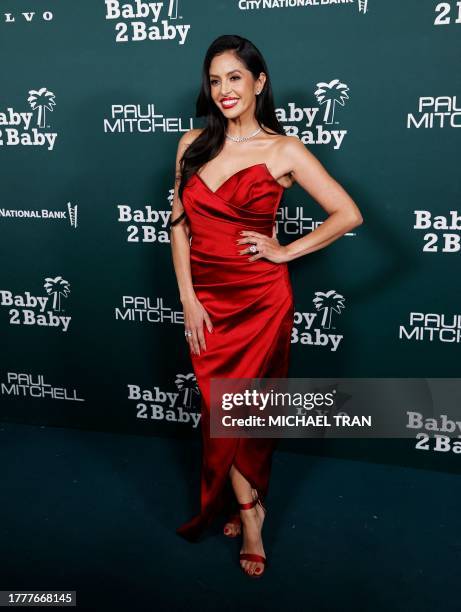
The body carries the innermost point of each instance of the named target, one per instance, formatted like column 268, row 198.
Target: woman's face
column 233, row 87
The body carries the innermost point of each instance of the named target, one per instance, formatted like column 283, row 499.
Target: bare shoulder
column 292, row 145
column 289, row 153
column 186, row 140
column 279, row 142
column 296, row 154
column 282, row 144
column 188, row 137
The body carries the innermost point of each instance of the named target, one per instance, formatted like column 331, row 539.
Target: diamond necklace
column 242, row 138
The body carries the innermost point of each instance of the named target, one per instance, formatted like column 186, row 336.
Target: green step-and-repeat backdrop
column 94, row 97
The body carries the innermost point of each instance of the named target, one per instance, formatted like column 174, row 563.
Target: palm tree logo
column 328, row 302
column 188, row 384
column 57, row 287
column 42, row 100
column 173, row 9
column 72, row 211
column 363, row 6
column 331, row 93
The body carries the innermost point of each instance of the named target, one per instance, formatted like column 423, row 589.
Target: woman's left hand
column 269, row 248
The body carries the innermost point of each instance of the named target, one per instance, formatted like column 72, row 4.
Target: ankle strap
column 249, row 505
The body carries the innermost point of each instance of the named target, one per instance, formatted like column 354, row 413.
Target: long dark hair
column 211, row 140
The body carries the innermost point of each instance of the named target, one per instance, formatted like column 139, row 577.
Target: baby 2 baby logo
column 154, row 21
column 295, row 118
column 23, row 128
column 41, row 310
column 307, row 329
column 171, row 406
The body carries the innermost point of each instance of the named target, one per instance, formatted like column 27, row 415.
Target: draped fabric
column 250, row 304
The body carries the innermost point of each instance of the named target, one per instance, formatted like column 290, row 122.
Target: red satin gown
column 250, row 304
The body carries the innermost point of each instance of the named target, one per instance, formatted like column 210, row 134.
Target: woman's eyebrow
column 230, row 71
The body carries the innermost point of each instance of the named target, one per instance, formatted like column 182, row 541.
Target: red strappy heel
column 234, row 519
column 253, row 556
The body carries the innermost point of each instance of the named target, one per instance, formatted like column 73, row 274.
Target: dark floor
column 97, row 512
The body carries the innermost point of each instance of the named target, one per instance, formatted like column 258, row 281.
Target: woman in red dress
column 232, row 272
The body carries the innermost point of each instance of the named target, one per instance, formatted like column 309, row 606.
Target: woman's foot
column 252, row 523
column 232, row 528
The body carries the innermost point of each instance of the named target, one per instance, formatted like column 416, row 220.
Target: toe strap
column 252, row 557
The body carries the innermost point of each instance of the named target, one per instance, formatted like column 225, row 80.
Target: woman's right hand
column 194, row 316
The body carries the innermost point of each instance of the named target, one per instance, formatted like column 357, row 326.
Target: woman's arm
column 179, row 229
column 344, row 214
column 195, row 314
